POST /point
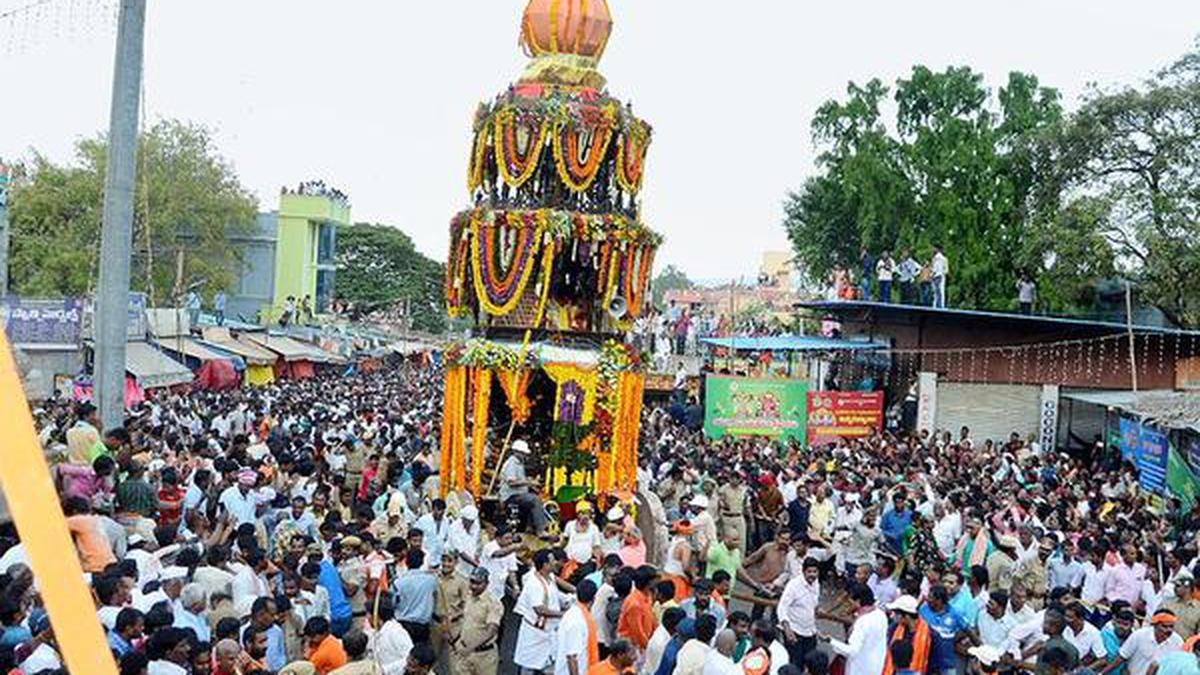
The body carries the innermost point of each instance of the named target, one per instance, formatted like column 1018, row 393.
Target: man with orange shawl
column 578, row 647
column 911, row 631
column 974, row 546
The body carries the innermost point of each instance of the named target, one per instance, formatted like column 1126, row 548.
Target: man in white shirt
column 798, row 611
column 694, row 653
column 540, row 607
column 499, row 558
column 248, row 583
column 866, row 648
column 993, row 623
column 720, row 659
column 1083, row 635
column 239, row 500
column 939, row 269
column 464, row 540
column 1145, row 645
column 662, row 635
column 572, row 653
column 436, row 527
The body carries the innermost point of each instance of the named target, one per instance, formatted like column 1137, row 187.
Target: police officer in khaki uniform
column 453, row 592
column 476, row 651
column 731, row 501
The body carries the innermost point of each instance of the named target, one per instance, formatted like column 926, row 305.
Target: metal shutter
column 990, row 410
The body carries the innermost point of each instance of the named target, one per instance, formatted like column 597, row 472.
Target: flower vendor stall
column 551, row 265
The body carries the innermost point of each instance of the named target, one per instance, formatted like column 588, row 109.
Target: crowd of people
column 886, row 280
column 301, row 528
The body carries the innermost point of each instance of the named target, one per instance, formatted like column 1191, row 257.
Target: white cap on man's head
column 521, row 447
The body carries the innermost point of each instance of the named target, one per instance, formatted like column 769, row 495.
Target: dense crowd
column 301, row 528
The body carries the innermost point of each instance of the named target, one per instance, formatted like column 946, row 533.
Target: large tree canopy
column 379, row 267
column 671, row 278
column 957, row 167
column 188, row 201
column 1135, row 153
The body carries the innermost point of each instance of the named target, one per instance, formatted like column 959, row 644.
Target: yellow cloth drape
column 454, row 431
column 482, row 390
column 587, row 379
column 259, row 376
column 515, row 384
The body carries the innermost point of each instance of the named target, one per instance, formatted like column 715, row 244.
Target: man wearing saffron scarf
column 578, row 648
column 637, row 621
column 912, row 629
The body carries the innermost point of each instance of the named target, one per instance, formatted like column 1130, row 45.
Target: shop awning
column 1165, row 408
column 294, row 350
column 250, row 352
column 190, row 346
column 789, row 343
column 153, row 369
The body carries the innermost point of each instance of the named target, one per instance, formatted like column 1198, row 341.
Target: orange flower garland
column 515, row 384
column 637, row 280
column 631, row 159
column 515, row 169
column 576, row 176
column 482, row 388
column 454, row 438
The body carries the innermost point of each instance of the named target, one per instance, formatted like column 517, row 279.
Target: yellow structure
column 33, row 501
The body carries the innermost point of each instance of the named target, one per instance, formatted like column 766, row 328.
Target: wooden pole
column 1133, row 374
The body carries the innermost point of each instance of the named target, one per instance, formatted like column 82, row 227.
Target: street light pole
column 116, row 238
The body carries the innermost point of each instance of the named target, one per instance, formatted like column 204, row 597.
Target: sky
column 377, row 97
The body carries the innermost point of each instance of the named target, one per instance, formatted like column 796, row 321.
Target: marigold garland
column 508, row 157
column 454, row 437
column 515, row 385
column 567, row 161
column 499, row 297
column 475, row 166
column 630, row 163
column 482, row 389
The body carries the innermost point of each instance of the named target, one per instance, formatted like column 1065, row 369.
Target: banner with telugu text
column 742, row 406
column 843, row 414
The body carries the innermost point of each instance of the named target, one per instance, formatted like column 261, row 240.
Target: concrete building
column 1000, row 373
column 291, row 252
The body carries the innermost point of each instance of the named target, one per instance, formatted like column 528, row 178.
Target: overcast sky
column 377, row 96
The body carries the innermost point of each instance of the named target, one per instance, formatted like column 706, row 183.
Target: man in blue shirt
column 895, row 522
column 416, row 591
column 340, row 612
column 945, row 626
column 262, row 618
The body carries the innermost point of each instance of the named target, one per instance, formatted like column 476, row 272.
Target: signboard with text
column 45, row 324
column 843, row 414
column 742, row 406
column 1152, row 456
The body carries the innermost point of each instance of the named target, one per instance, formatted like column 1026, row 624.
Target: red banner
column 843, row 414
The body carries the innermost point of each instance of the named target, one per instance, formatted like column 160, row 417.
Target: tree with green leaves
column 1134, row 152
column 379, row 267
column 956, row 167
column 188, row 202
column 671, row 278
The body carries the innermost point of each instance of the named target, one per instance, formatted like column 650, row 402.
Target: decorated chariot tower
column 551, row 267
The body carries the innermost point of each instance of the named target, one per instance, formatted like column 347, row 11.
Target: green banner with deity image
column 741, row 406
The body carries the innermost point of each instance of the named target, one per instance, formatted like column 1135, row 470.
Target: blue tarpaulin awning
column 790, row 343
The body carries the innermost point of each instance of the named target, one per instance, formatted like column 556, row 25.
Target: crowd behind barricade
column 300, row 528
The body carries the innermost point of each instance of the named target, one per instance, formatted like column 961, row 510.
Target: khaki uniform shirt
column 481, row 620
column 1187, row 616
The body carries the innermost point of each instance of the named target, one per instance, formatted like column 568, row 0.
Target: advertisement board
column 44, row 324
column 1152, row 457
column 742, row 406
column 843, row 414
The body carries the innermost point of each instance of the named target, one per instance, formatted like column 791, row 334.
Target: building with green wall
column 291, row 252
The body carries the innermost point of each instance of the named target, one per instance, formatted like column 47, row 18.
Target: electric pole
column 4, row 233
column 116, row 237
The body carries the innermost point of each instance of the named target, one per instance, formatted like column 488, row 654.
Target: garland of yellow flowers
column 453, row 420
column 482, row 388
column 505, row 142
column 590, row 170
column 625, row 458
column 475, row 168
column 522, row 282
